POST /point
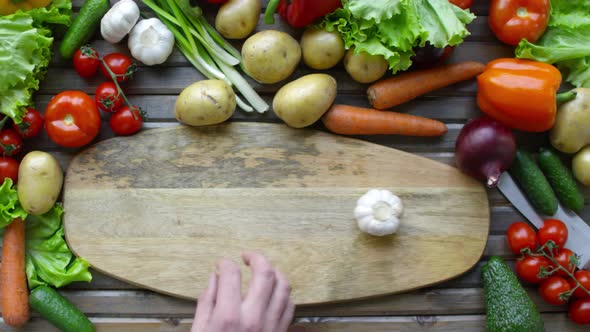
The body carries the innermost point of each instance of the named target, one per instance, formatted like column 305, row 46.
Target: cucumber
column 509, row 308
column 561, row 179
column 531, row 179
column 83, row 27
column 59, row 311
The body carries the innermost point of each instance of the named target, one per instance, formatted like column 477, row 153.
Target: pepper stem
column 269, row 13
column 564, row 97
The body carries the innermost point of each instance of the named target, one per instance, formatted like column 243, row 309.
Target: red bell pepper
column 300, row 13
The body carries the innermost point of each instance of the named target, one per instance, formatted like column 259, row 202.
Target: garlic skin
column 151, row 42
column 119, row 20
column 378, row 211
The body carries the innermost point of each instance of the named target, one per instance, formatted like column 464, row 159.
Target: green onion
column 206, row 50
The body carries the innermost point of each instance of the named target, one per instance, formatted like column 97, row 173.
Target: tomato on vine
column 567, row 259
column 553, row 230
column 86, row 61
column 521, row 235
column 119, row 64
column 528, row 268
column 11, row 144
column 126, row 121
column 107, row 97
column 579, row 311
column 583, row 277
column 31, row 125
column 554, row 290
column 8, row 169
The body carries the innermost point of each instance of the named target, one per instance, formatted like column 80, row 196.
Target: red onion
column 484, row 149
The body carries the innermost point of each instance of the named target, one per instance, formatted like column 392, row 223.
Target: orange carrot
column 13, row 280
column 407, row 86
column 351, row 120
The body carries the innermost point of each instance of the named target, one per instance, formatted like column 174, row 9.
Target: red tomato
column 120, row 65
column 528, row 268
column 107, row 97
column 579, row 311
column 521, row 235
column 86, row 61
column 554, row 230
column 8, row 169
column 552, row 288
column 464, row 4
column 563, row 258
column 11, row 143
column 513, row 20
column 72, row 119
column 31, row 125
column 124, row 122
column 583, row 278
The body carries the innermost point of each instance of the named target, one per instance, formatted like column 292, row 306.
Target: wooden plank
column 463, row 323
column 448, row 301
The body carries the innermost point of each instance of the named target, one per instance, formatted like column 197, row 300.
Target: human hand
column 266, row 307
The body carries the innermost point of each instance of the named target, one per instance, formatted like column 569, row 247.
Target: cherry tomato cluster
column 126, row 119
column 11, row 141
column 546, row 262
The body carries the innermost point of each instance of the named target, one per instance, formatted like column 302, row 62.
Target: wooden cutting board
column 160, row 208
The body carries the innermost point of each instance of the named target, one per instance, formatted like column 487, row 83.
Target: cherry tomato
column 120, row 65
column 554, row 230
column 463, row 4
column 8, row 169
column 124, row 122
column 85, row 64
column 513, row 20
column 552, row 288
column 579, row 311
column 32, row 124
column 563, row 258
column 521, row 235
column 107, row 97
column 528, row 268
column 583, row 278
column 11, row 143
column 72, row 119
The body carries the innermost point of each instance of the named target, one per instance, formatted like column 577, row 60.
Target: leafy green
column 393, row 28
column 10, row 208
column 565, row 43
column 49, row 261
column 25, row 51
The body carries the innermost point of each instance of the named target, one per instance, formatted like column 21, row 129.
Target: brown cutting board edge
column 160, row 208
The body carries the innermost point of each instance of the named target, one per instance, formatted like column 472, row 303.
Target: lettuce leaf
column 393, row 28
column 10, row 208
column 25, row 51
column 565, row 43
column 49, row 261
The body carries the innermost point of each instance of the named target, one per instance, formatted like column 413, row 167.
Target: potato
column 302, row 102
column 40, row 179
column 321, row 49
column 270, row 56
column 581, row 166
column 364, row 67
column 570, row 132
column 205, row 103
column 236, row 19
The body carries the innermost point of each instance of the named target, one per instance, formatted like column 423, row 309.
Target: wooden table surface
column 456, row 305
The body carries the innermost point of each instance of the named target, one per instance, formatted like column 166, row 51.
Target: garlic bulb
column 119, row 20
column 151, row 42
column 378, row 211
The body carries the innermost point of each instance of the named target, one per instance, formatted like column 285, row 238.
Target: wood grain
column 163, row 220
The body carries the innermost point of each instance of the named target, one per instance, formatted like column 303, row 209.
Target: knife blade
column 578, row 230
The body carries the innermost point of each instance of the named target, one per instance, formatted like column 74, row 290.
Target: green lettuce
column 393, row 28
column 565, row 43
column 49, row 261
column 25, row 51
column 10, row 208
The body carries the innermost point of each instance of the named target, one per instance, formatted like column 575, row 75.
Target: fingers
column 229, row 299
column 261, row 284
column 287, row 317
column 278, row 303
column 205, row 305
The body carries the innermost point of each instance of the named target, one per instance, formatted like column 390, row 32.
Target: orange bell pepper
column 522, row 94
